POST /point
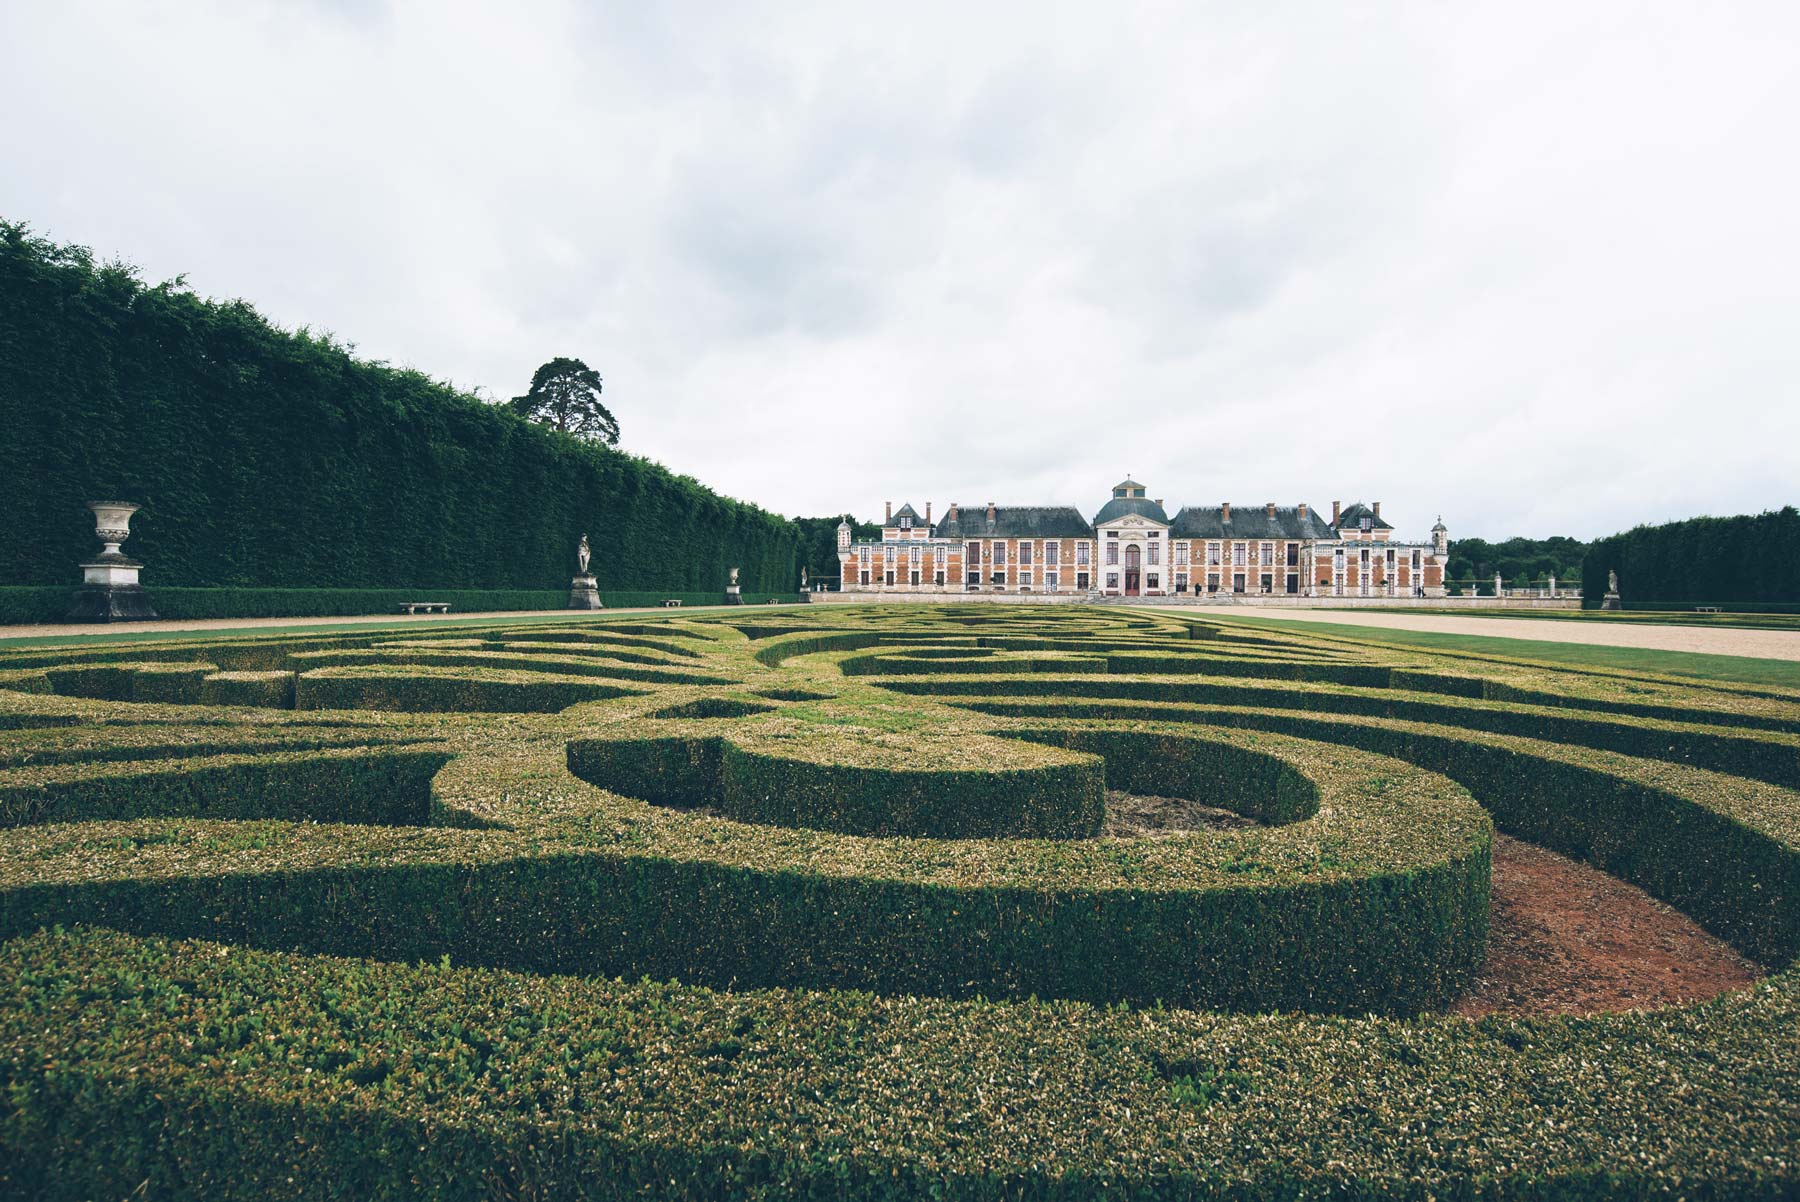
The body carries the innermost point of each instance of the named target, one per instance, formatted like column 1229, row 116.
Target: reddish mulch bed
column 1568, row 939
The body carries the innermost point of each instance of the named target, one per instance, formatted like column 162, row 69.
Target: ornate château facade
column 1133, row 548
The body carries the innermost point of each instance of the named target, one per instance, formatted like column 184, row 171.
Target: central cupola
column 1128, row 500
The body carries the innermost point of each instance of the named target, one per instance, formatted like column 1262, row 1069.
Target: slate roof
column 1015, row 521
column 906, row 511
column 1351, row 518
column 1250, row 521
column 1119, row 506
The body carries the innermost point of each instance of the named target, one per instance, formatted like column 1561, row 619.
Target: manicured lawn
column 1643, row 617
column 1740, row 668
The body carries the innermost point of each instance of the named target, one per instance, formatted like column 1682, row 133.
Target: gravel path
column 1760, row 644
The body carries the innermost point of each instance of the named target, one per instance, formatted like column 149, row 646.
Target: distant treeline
column 1520, row 561
column 273, row 458
column 1748, row 561
column 818, row 542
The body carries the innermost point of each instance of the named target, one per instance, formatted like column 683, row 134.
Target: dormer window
column 906, row 524
column 1368, row 524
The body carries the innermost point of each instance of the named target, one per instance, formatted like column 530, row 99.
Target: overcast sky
column 1532, row 267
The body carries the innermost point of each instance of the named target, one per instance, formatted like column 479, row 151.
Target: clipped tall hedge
column 1750, row 561
column 277, row 459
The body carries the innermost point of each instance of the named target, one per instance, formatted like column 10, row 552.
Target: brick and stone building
column 1133, row 548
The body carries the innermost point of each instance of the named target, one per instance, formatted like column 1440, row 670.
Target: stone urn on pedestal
column 110, row 591
column 733, row 596
column 584, row 590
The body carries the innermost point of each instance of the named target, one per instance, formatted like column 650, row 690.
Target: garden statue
column 732, row 595
column 584, row 590
column 1611, row 600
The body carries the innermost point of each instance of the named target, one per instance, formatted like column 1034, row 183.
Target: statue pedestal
column 1611, row 601
column 110, row 592
column 584, row 593
column 733, row 596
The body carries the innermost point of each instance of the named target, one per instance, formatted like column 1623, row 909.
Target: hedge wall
column 274, row 458
column 1751, row 561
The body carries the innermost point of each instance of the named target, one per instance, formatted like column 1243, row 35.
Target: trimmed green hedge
column 357, row 785
column 424, row 690
column 1749, row 563
column 38, row 605
column 269, row 458
column 1057, row 800
column 176, row 1069
column 129, row 1063
column 1773, row 756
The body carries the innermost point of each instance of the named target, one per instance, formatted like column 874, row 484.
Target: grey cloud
column 1533, row 267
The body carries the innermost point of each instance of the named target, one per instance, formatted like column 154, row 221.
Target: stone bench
column 430, row 607
column 672, row 603
column 1706, row 609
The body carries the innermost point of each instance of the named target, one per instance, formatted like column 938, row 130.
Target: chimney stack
column 889, row 519
column 1303, row 511
column 1334, row 512
column 1378, row 509
column 950, row 513
column 928, row 513
column 1225, row 511
column 990, row 513
column 1270, row 509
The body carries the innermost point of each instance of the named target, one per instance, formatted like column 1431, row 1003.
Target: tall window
column 1051, row 550
column 939, row 556
column 1025, row 554
column 1212, row 554
column 1268, row 555
column 1081, row 555
column 1112, row 555
column 1240, row 555
column 862, row 557
column 1181, row 555
column 971, row 555
column 912, row 556
column 1154, row 553
column 999, row 554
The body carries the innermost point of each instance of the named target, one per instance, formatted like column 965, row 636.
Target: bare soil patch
column 1569, row 939
column 1135, row 816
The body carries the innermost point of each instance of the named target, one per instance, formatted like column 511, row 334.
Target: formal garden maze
column 837, row 902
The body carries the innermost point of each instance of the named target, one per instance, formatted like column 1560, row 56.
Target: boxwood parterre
column 378, row 916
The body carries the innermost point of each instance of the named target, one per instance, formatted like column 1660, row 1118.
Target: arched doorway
column 1133, row 563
